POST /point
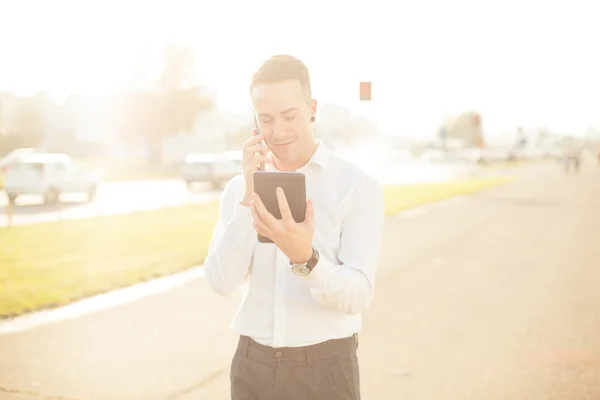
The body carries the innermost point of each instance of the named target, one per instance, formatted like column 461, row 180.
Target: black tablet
column 294, row 187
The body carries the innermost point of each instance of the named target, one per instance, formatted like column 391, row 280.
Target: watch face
column 301, row 270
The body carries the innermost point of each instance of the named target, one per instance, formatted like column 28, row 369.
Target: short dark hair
column 282, row 67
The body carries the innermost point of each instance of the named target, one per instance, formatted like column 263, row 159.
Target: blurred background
column 120, row 123
column 132, row 89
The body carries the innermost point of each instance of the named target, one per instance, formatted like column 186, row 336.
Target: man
column 572, row 155
column 298, row 333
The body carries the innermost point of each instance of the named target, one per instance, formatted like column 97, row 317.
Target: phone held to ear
column 261, row 166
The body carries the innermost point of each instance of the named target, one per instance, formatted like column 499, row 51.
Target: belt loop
column 308, row 353
column 244, row 343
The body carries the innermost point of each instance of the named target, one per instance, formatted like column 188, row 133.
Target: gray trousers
column 324, row 371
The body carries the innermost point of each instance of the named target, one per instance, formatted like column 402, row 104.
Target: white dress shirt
column 279, row 308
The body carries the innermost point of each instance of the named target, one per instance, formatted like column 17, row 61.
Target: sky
column 525, row 62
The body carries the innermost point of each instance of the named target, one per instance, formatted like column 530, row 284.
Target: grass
column 51, row 264
column 54, row 263
column 402, row 197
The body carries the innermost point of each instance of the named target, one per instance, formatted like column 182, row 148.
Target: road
column 123, row 197
column 496, row 298
column 112, row 198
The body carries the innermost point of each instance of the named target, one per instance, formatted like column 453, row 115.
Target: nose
column 278, row 130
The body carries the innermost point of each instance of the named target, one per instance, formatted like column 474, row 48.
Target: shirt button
column 278, row 354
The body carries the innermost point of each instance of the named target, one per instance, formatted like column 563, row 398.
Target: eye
column 290, row 118
column 267, row 121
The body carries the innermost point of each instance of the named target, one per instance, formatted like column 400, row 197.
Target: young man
column 303, row 294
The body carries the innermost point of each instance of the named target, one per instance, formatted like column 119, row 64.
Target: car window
column 59, row 167
column 62, row 166
column 28, row 166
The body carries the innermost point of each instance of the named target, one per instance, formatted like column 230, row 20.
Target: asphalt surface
column 112, row 198
column 124, row 197
column 495, row 298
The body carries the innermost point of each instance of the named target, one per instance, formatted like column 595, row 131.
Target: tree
column 466, row 127
column 171, row 107
column 29, row 121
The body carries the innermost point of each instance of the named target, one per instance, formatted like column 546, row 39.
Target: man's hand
column 293, row 238
column 254, row 153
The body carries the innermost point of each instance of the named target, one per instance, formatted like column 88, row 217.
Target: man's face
column 284, row 112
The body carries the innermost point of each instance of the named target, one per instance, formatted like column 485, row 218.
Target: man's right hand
column 251, row 162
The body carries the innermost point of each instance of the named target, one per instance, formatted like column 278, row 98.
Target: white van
column 216, row 169
column 49, row 175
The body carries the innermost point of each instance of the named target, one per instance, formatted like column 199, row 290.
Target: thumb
column 309, row 217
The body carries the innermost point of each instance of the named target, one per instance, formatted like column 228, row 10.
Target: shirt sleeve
column 232, row 246
column 347, row 284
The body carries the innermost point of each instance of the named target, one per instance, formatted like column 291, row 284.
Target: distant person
column 298, row 334
column 572, row 157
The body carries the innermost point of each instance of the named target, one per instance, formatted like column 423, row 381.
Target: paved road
column 123, row 197
column 493, row 299
column 112, row 198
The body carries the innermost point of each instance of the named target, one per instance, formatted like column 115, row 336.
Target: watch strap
column 314, row 259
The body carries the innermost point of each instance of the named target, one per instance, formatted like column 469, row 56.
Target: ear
column 313, row 109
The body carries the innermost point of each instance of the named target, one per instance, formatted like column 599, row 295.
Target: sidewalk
column 493, row 299
column 505, row 308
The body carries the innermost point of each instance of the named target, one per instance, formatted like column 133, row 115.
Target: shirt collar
column 320, row 157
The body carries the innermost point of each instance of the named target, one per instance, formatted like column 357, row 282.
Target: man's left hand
column 293, row 238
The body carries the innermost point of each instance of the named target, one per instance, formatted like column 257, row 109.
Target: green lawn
column 51, row 264
column 402, row 197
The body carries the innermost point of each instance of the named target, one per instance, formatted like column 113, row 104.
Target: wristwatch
column 304, row 269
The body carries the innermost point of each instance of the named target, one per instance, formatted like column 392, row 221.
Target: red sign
column 365, row 91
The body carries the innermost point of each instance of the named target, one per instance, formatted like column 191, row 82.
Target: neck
column 302, row 161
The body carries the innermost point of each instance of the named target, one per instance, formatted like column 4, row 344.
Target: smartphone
column 294, row 187
column 261, row 166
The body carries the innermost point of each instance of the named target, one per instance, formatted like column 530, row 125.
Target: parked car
column 216, row 169
column 49, row 175
column 15, row 155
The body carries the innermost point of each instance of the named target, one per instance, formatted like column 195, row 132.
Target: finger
column 252, row 141
column 284, row 207
column 254, row 212
column 257, row 148
column 252, row 150
column 309, row 216
column 258, row 224
column 255, row 162
column 265, row 215
column 261, row 229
